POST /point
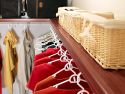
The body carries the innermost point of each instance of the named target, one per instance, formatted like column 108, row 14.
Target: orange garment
column 62, row 76
column 10, row 62
column 49, row 81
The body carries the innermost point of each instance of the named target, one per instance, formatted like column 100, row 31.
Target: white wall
column 37, row 29
column 115, row 6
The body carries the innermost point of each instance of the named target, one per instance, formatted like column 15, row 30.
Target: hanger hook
column 10, row 26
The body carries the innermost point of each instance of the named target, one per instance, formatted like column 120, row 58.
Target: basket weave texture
column 72, row 24
column 105, row 43
column 106, row 46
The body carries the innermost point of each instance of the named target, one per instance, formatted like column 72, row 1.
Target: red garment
column 42, row 71
column 45, row 60
column 69, row 85
column 0, row 72
column 0, row 60
column 52, row 90
column 50, row 81
column 48, row 52
column 39, row 73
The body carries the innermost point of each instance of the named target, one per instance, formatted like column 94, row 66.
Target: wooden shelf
column 100, row 80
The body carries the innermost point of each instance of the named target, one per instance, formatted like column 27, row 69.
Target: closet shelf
column 100, row 80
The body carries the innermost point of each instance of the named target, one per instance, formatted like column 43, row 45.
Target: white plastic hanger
column 10, row 27
column 44, row 41
column 74, row 79
column 60, row 52
column 54, row 37
column 63, row 58
column 42, row 37
column 55, row 40
column 67, row 67
column 78, row 80
column 78, row 83
column 39, row 49
column 26, row 27
column 83, row 91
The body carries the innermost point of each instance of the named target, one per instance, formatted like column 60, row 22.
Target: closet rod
column 17, row 22
column 24, row 20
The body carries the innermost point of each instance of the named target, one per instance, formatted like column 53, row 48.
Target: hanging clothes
column 11, row 60
column 48, row 52
column 29, row 50
column 26, row 55
column 50, row 81
column 45, row 59
column 42, row 42
column 43, row 70
column 39, row 73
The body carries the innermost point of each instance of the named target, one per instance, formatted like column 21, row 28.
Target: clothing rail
column 101, row 81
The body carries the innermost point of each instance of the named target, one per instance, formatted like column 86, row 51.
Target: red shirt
column 45, row 60
column 39, row 73
column 42, row 71
column 48, row 52
column 50, row 81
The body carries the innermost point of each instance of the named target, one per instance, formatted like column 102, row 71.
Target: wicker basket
column 104, row 40
column 73, row 21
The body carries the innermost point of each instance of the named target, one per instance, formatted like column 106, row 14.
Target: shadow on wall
column 115, row 6
column 70, row 2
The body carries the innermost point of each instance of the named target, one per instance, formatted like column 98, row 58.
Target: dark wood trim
column 100, row 80
column 24, row 20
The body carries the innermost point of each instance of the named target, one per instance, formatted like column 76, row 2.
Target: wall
column 115, row 6
column 37, row 29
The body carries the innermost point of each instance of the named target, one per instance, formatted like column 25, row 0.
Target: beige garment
column 10, row 60
column 26, row 54
column 29, row 51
